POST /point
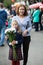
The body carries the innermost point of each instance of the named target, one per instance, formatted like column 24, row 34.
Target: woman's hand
column 25, row 32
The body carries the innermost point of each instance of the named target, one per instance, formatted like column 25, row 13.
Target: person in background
column 3, row 18
column 29, row 12
column 40, row 18
column 36, row 18
column 13, row 10
column 24, row 22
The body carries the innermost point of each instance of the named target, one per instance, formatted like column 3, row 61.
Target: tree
column 7, row 3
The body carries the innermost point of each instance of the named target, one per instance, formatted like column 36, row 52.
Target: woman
column 25, row 24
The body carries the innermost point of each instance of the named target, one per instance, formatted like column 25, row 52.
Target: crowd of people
column 20, row 19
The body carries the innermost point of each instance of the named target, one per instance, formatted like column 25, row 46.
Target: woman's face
column 21, row 11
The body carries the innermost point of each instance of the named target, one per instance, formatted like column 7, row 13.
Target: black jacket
column 18, row 38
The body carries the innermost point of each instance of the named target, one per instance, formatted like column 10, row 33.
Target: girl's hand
column 25, row 32
column 13, row 42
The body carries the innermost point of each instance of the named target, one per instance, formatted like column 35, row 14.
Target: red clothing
column 15, row 62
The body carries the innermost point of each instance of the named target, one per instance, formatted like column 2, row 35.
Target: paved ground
column 35, row 51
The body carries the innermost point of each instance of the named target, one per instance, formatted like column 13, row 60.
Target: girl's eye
column 21, row 9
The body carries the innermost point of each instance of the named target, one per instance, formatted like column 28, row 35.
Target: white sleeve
column 16, row 42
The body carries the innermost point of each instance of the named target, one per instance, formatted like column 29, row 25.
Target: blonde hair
column 18, row 29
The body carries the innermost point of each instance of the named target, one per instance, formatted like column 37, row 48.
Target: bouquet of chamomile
column 11, row 33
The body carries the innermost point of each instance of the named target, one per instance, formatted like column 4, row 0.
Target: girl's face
column 15, row 25
column 21, row 11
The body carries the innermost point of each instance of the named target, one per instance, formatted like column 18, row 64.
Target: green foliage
column 7, row 3
column 11, row 35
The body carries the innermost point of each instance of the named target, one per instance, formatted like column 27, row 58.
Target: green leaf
column 7, row 3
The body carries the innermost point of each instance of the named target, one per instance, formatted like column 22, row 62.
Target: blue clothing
column 3, row 17
column 2, row 36
column 9, row 23
column 36, row 16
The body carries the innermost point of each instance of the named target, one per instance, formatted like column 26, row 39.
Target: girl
column 17, row 42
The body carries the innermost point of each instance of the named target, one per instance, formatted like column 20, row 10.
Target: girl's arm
column 19, row 40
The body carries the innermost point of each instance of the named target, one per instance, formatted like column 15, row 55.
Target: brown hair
column 37, row 8
column 1, row 5
column 25, row 13
column 42, row 1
